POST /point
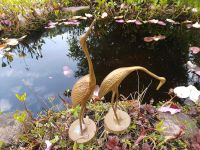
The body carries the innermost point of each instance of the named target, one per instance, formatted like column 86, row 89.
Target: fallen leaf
column 170, row 109
column 194, row 49
column 104, row 15
column 197, row 72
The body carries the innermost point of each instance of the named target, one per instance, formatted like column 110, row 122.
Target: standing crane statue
column 83, row 129
column 117, row 120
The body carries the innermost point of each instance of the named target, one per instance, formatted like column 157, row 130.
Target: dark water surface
column 37, row 67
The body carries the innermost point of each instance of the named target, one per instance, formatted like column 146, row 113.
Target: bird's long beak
column 162, row 81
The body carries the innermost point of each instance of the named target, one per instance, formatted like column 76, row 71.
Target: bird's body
column 83, row 90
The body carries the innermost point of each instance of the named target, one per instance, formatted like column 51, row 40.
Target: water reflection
column 47, row 63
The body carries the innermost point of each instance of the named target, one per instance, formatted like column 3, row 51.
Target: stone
column 174, row 123
column 9, row 128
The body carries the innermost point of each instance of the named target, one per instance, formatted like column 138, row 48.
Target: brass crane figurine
column 116, row 120
column 83, row 129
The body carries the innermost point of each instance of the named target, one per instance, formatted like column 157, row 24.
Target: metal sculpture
column 117, row 120
column 83, row 129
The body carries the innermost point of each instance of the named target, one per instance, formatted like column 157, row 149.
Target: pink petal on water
column 137, row 22
column 71, row 22
column 148, row 39
column 194, row 49
column 120, row 21
column 197, row 72
column 161, row 23
column 189, row 26
column 67, row 71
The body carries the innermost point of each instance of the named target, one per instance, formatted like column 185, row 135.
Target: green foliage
column 56, row 139
column 1, row 112
column 20, row 116
column 75, row 111
column 1, row 144
column 159, row 127
column 21, row 98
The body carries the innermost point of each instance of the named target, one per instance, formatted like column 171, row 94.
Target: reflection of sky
column 44, row 78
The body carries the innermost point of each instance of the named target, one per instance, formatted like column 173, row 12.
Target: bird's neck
column 91, row 69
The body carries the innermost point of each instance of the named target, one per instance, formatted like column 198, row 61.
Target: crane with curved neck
column 112, row 81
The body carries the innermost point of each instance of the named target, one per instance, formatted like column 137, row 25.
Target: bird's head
column 162, row 81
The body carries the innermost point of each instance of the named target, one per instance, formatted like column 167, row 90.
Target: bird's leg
column 81, row 119
column 116, row 98
column 112, row 104
column 82, row 115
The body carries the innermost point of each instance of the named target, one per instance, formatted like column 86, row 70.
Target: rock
column 74, row 10
column 9, row 128
column 174, row 123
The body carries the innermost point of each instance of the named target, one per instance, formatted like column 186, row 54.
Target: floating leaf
column 104, row 15
column 21, row 38
column 12, row 42
column 2, row 46
column 154, row 38
column 88, row 15
column 120, row 21
column 187, row 22
column 197, row 72
column 154, row 21
column 137, row 22
column 161, row 23
column 71, row 22
column 148, row 39
column 78, row 17
column 131, row 21
column 118, row 17
column 50, row 27
column 189, row 26
column 194, row 49
column 196, row 25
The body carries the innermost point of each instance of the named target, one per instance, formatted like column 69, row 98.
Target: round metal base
column 111, row 123
column 89, row 131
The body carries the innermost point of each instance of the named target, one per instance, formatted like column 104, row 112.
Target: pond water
column 38, row 62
